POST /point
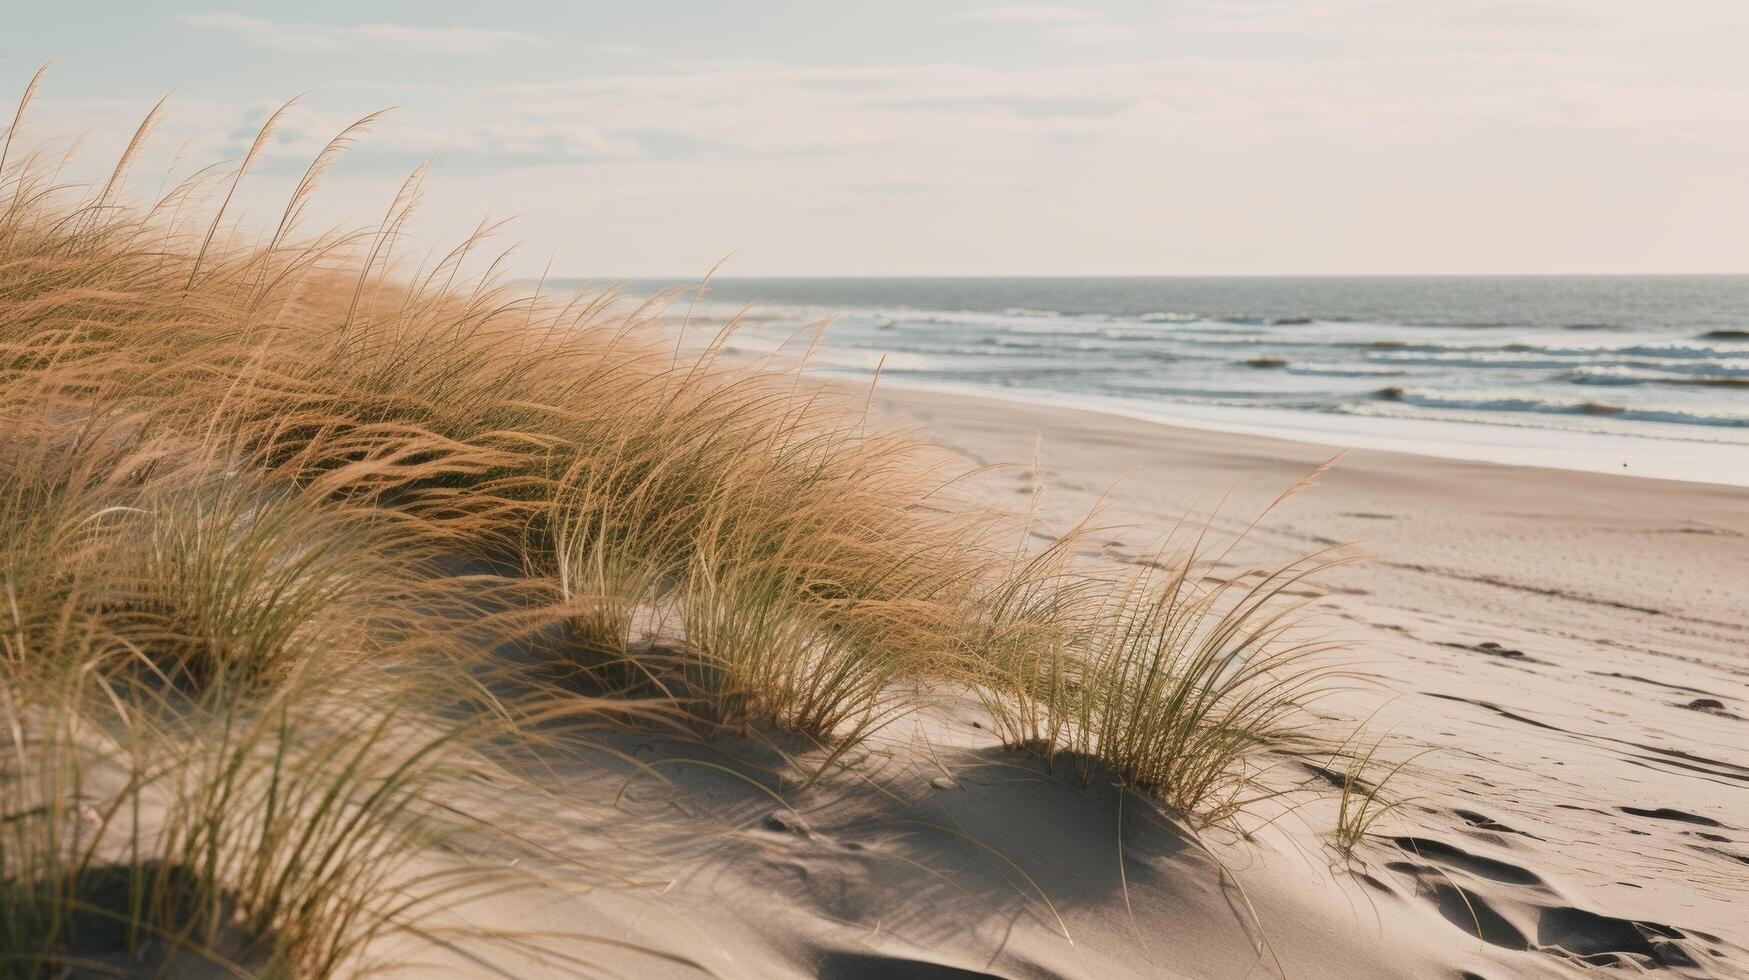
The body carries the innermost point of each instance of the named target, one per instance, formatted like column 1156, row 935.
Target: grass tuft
column 282, row 523
column 1363, row 800
column 1173, row 680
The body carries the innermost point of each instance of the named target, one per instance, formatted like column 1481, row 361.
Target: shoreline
column 1585, row 435
column 1648, row 457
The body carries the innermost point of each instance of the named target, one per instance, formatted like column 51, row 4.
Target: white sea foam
column 1656, row 359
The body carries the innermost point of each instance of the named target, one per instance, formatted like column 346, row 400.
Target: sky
column 1175, row 137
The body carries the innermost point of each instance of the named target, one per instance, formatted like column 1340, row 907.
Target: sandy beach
column 1044, row 491
column 1558, row 653
column 1571, row 645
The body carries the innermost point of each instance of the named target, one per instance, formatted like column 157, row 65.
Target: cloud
column 1267, row 135
column 353, row 38
column 1061, row 23
column 1031, row 13
column 1434, row 20
column 717, row 64
column 1093, row 31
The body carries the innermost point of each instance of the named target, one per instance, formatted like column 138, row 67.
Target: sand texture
column 1561, row 653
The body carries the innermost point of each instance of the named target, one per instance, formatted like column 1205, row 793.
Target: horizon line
column 1145, row 275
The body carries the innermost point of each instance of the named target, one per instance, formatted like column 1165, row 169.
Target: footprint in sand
column 1483, row 822
column 1711, row 706
column 1670, row 813
column 1495, row 649
column 1510, row 906
column 846, row 965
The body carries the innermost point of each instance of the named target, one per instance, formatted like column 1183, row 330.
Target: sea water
column 1551, row 369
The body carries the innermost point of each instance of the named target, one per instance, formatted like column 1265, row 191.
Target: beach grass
column 1364, row 799
column 1172, row 678
column 270, row 512
column 271, row 837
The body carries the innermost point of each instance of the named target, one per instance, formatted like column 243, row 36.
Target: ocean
column 1661, row 357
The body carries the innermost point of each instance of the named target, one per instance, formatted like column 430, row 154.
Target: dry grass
column 271, row 837
column 1363, row 800
column 204, row 762
column 262, row 507
column 246, row 493
column 157, row 556
column 1173, row 678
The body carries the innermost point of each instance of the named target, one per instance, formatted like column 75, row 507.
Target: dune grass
column 203, row 764
column 269, row 838
column 1363, row 799
column 266, row 508
column 1170, row 679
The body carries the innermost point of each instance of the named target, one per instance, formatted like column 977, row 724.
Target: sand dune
column 1565, row 648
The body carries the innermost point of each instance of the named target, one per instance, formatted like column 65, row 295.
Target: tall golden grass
column 264, row 507
column 1155, row 678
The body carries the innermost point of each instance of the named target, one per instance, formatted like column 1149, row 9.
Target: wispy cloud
column 1031, row 13
column 1312, row 135
column 349, row 38
column 1091, row 31
column 1063, row 23
column 718, row 64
